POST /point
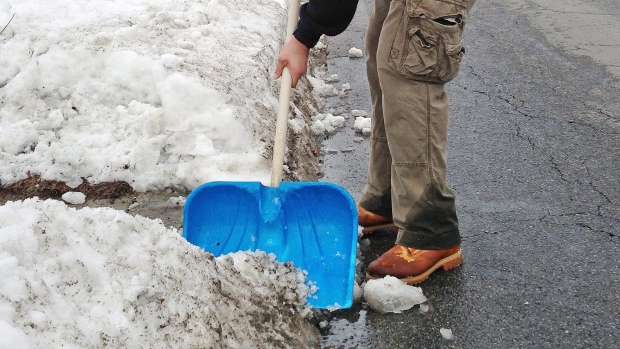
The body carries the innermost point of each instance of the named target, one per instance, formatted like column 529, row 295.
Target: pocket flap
column 425, row 40
column 436, row 9
column 455, row 50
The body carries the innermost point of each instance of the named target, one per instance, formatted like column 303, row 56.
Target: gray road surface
column 534, row 159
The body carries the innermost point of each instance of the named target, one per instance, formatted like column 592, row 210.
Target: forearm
column 318, row 17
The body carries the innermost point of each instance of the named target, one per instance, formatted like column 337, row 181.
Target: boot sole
column 447, row 263
column 372, row 229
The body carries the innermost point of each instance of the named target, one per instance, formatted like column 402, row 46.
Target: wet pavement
column 533, row 155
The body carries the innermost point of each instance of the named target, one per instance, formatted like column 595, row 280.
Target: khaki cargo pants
column 413, row 47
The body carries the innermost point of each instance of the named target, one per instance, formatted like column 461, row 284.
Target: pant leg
column 414, row 118
column 376, row 196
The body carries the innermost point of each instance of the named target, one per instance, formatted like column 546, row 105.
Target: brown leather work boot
column 412, row 265
column 372, row 221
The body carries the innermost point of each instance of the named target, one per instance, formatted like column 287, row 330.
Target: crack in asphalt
column 611, row 235
column 556, row 167
column 591, row 184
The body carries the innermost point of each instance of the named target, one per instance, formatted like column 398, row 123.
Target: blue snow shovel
column 312, row 224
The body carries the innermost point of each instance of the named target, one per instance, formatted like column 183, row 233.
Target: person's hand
column 294, row 56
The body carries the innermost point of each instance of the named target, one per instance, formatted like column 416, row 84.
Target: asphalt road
column 534, row 159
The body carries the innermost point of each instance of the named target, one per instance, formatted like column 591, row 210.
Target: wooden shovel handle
column 279, row 144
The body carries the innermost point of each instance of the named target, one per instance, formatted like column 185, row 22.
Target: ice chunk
column 332, row 78
column 363, row 125
column 357, row 293
column 358, row 112
column 447, row 333
column 392, row 295
column 326, row 123
column 74, row 197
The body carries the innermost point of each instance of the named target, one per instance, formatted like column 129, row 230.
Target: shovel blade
column 312, row 224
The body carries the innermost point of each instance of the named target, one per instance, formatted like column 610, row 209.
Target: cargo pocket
column 420, row 56
column 428, row 42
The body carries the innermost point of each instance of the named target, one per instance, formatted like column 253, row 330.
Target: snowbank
column 91, row 278
column 156, row 93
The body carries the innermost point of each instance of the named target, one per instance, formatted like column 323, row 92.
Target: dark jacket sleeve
column 318, row 17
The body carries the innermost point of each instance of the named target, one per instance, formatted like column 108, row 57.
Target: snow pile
column 157, row 93
column 390, row 294
column 92, row 278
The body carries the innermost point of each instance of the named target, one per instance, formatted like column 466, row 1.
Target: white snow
column 326, row 123
column 332, row 78
column 355, row 52
column 74, row 197
column 446, row 333
column 391, row 295
column 91, row 278
column 358, row 112
column 157, row 93
column 363, row 125
column 322, row 88
column 176, row 201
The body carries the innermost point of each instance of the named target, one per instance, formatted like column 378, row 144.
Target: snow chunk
column 297, row 124
column 392, row 295
column 74, row 197
column 332, row 78
column 363, row 125
column 321, row 88
column 358, row 292
column 355, row 52
column 447, row 333
column 326, row 123
column 176, row 201
column 358, row 112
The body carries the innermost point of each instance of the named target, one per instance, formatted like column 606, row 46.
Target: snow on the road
column 390, row 294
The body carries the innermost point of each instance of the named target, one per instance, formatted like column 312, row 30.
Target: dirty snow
column 99, row 277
